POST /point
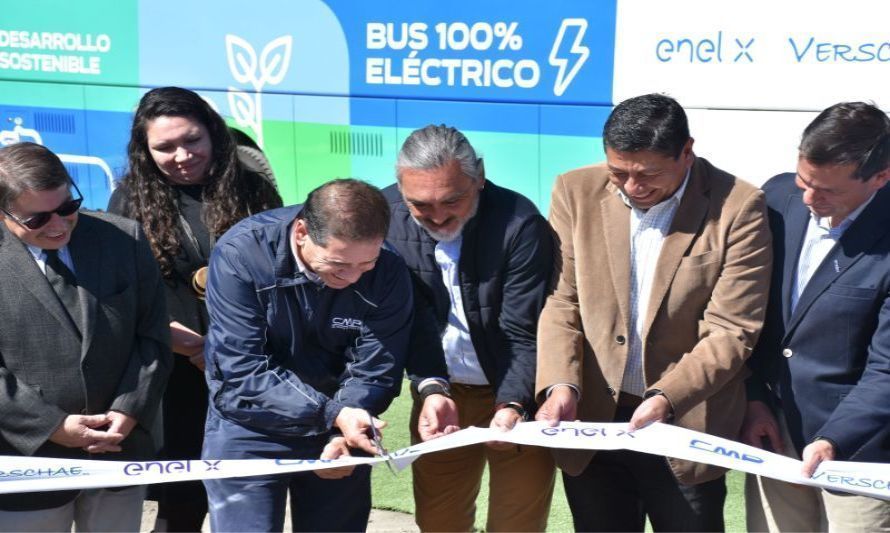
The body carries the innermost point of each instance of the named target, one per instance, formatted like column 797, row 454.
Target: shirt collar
column 40, row 253
column 36, row 252
column 451, row 248
column 675, row 198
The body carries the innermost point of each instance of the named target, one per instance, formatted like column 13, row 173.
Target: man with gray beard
column 481, row 259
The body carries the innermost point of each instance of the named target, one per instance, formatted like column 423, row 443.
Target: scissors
column 376, row 438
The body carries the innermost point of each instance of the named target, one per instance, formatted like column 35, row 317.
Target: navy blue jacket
column 505, row 271
column 284, row 354
column 828, row 363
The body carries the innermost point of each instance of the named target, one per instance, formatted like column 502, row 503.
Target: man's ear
column 687, row 150
column 480, row 167
column 301, row 232
column 881, row 178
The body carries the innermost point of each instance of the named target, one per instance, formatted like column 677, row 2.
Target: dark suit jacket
column 48, row 372
column 828, row 363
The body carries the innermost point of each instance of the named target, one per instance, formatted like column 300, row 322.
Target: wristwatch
column 434, row 387
column 658, row 392
column 516, row 406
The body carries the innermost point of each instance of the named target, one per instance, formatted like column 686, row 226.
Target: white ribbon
column 31, row 474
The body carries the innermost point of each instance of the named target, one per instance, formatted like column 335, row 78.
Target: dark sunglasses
column 37, row 221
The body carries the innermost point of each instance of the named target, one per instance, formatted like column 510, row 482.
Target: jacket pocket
column 699, row 260
column 864, row 293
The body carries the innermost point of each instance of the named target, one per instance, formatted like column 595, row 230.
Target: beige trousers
column 776, row 506
column 447, row 483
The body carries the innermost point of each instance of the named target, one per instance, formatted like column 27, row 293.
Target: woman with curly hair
column 186, row 186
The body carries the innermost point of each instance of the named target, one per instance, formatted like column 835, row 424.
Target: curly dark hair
column 230, row 193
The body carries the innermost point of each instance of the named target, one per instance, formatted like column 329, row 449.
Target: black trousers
column 620, row 488
column 183, row 505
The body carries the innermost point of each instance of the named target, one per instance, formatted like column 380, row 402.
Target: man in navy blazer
column 820, row 388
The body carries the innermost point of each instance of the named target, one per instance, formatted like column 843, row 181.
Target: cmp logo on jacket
column 346, row 323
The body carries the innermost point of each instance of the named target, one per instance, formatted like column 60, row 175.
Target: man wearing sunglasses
column 84, row 342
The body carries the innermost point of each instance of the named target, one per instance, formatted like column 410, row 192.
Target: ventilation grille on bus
column 355, row 143
column 54, row 122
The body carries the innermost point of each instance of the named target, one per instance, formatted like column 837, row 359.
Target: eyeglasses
column 37, row 221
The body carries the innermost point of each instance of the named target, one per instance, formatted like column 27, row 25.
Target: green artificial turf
column 393, row 492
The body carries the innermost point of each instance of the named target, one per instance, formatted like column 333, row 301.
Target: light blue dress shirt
column 820, row 239
column 40, row 258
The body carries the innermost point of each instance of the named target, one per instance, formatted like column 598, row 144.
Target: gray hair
column 28, row 166
column 434, row 147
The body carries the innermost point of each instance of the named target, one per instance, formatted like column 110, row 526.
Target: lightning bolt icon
column 578, row 53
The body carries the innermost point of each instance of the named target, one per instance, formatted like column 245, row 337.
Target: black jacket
column 505, row 270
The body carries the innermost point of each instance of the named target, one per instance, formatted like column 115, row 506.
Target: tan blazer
column 707, row 303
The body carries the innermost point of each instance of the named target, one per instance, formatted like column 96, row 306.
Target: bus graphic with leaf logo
column 330, row 88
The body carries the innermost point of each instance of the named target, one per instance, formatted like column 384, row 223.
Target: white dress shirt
column 460, row 355
column 648, row 229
